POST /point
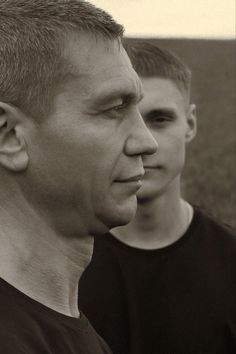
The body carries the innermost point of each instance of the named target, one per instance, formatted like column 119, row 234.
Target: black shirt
column 180, row 299
column 28, row 327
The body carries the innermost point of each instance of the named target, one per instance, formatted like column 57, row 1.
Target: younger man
column 165, row 283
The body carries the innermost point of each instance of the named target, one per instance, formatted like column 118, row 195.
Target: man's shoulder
column 34, row 328
column 14, row 314
column 15, row 323
column 216, row 225
column 219, row 234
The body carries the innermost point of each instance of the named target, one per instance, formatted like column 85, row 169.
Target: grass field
column 209, row 179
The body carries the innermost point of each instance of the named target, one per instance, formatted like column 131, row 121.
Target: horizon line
column 179, row 36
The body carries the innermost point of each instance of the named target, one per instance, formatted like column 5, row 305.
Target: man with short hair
column 71, row 147
column 168, row 279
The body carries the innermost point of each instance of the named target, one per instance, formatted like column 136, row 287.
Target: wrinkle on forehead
column 101, row 68
column 120, row 82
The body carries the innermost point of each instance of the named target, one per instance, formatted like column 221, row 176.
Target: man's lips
column 135, row 178
column 152, row 167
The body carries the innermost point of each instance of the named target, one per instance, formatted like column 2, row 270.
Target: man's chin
column 124, row 218
column 145, row 196
column 116, row 213
column 123, row 214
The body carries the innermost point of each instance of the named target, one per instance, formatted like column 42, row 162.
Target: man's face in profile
column 171, row 121
column 86, row 156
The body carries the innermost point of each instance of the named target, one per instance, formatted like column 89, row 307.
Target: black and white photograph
column 117, row 177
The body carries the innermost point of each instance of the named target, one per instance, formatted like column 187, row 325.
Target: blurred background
column 202, row 34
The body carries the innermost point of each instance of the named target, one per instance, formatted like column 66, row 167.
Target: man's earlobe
column 192, row 123
column 13, row 149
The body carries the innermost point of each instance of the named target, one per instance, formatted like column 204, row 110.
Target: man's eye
column 160, row 119
column 116, row 110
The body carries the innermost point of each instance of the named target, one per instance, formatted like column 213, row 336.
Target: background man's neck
column 159, row 222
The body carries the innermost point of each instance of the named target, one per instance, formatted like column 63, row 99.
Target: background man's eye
column 160, row 119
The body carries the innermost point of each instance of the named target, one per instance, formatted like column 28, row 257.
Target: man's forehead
column 84, row 53
column 163, row 88
column 157, row 89
column 155, row 82
column 104, row 71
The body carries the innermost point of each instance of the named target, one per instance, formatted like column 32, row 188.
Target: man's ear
column 191, row 123
column 13, row 149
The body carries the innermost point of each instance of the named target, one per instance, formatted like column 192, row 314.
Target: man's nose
column 140, row 141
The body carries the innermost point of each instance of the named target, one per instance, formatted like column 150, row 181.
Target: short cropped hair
column 149, row 60
column 32, row 37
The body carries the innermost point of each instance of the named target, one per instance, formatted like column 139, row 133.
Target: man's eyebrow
column 126, row 97
column 136, row 98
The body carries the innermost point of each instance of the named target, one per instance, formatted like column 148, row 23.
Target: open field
column 210, row 174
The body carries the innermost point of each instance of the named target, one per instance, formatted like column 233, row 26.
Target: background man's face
column 164, row 110
column 91, row 144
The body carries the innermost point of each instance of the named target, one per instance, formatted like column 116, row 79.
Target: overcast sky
column 173, row 18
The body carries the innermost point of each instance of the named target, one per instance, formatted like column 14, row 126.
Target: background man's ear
column 13, row 149
column 192, row 123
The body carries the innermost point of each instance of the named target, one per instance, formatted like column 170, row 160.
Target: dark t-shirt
column 28, row 327
column 180, row 299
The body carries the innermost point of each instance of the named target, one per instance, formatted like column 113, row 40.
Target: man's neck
column 158, row 223
column 42, row 264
